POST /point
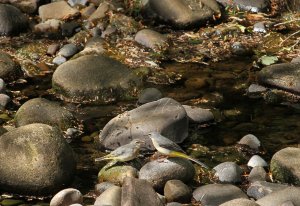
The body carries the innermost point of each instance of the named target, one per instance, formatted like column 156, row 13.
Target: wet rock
column 50, row 27
column 100, row 12
column 285, row 165
column 88, row 11
column 12, row 20
column 240, row 202
column 256, row 91
column 251, row 141
column 158, row 172
column 94, row 45
column 177, row 191
column 9, row 70
column 257, row 161
column 149, row 95
column 116, row 174
column 240, row 49
column 137, row 192
column 182, row 14
column 101, row 187
column 35, row 160
column 280, row 197
column 216, row 194
column 4, row 100
column 198, row 115
column 59, row 60
column 68, row 50
column 111, row 196
column 52, row 49
column 296, row 60
column 40, row 110
column 27, row 6
column 166, row 116
column 259, row 27
column 151, row 39
column 67, row 197
column 57, row 10
column 94, row 79
column 2, row 86
column 260, row 189
column 68, row 29
column 174, row 204
column 228, row 172
column 253, row 6
column 195, row 83
column 285, row 76
column 257, row 174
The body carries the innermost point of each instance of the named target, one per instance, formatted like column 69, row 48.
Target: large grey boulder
column 94, row 79
column 137, row 192
column 285, row 76
column 246, row 5
column 285, row 165
column 165, row 116
column 9, row 70
column 216, row 194
column 111, row 196
column 182, row 13
column 277, row 198
column 35, row 160
column 40, row 110
column 260, row 189
column 158, row 172
column 12, row 20
column 240, row 202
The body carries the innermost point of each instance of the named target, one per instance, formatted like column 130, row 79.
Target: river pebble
column 228, row 172
column 117, row 174
column 67, row 197
column 4, row 100
column 77, row 2
column 59, row 60
column 52, row 49
column 253, row 6
column 257, row 174
column 101, row 187
column 9, row 70
column 260, row 189
column 111, row 196
column 151, row 39
column 198, row 115
column 259, row 27
column 251, row 141
column 149, row 95
column 257, row 161
column 177, row 191
column 216, row 194
column 68, row 50
column 240, row 202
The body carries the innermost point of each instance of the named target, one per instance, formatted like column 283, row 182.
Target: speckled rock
column 198, row 115
column 257, row 161
column 228, row 172
column 35, row 160
column 158, row 172
column 94, row 79
column 261, row 189
column 253, row 5
column 216, row 194
column 166, row 116
column 40, row 110
column 149, row 95
column 240, row 202
column 177, row 191
column 280, row 197
column 111, row 197
column 151, row 39
column 137, row 192
column 285, row 165
column 9, row 70
column 67, row 197
column 57, row 10
column 116, row 174
column 12, row 21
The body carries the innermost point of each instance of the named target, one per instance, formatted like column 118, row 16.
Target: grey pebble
column 4, row 100
column 59, row 60
column 250, row 140
column 2, row 86
column 257, row 174
column 228, row 172
column 256, row 160
column 259, row 27
column 68, row 50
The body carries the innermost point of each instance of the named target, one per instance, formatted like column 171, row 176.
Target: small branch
column 293, row 34
column 286, row 22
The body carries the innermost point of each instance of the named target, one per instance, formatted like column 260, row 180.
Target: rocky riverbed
column 80, row 78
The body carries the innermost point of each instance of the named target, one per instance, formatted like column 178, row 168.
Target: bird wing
column 168, row 144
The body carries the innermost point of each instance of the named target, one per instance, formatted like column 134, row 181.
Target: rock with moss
column 116, row 174
column 40, row 110
column 35, row 160
column 285, row 165
column 9, row 70
column 95, row 79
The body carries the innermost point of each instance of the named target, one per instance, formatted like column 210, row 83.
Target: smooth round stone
column 257, row 174
column 116, row 174
column 296, row 60
column 52, row 49
column 94, row 45
column 4, row 100
column 228, row 172
column 50, row 27
column 95, row 79
column 13, row 21
column 101, row 187
column 255, row 88
column 111, row 196
column 68, row 50
column 240, row 202
column 177, row 191
column 68, row 29
column 285, row 165
column 280, row 197
column 9, row 70
column 40, row 110
column 2, row 86
column 173, row 204
column 35, row 160
column 158, row 172
column 67, row 197
column 250, row 140
column 77, row 2
column 151, row 39
column 257, row 161
column 216, row 194
column 287, row 203
column 198, row 115
column 59, row 60
column 261, row 189
column 239, row 49
column 245, row 5
column 149, row 95
column 259, row 27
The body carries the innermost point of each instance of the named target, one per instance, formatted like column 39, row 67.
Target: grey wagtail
column 124, row 153
column 167, row 147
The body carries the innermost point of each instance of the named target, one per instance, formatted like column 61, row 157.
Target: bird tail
column 180, row 154
column 103, row 158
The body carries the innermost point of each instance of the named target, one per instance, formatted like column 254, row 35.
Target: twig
column 286, row 22
column 293, row 34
